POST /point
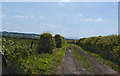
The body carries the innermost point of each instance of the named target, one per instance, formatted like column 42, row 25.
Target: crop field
column 56, row 55
column 21, row 58
column 61, row 37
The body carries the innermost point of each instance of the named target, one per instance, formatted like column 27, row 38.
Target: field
column 53, row 55
column 22, row 59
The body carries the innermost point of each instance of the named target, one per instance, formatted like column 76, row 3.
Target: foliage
column 15, row 51
column 21, row 59
column 116, row 53
column 101, row 59
column 58, row 41
column 107, row 47
column 71, row 41
column 46, row 43
column 63, row 41
column 44, row 63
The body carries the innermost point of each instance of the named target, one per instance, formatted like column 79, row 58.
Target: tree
column 58, row 41
column 46, row 43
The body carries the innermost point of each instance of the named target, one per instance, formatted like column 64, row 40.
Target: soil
column 70, row 65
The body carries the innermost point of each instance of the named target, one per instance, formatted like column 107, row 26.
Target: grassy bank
column 101, row 59
column 45, row 63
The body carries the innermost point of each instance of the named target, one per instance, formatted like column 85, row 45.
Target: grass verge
column 101, row 59
column 83, row 61
column 45, row 63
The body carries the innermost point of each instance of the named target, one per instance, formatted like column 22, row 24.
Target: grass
column 83, row 61
column 26, row 60
column 45, row 63
column 101, row 59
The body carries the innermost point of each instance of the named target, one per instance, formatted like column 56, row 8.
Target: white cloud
column 94, row 20
column 65, row 0
column 32, row 16
column 2, row 16
column 80, row 20
column 21, row 16
column 80, row 15
column 49, row 25
column 41, row 17
column 28, row 17
column 60, row 3
column 98, row 20
column 89, row 19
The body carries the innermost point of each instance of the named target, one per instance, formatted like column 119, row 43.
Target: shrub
column 63, row 40
column 46, row 43
column 58, row 41
column 106, row 46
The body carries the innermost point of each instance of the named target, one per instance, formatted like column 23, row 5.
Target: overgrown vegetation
column 22, row 59
column 15, row 51
column 106, row 46
column 58, row 41
column 46, row 43
column 71, row 41
column 101, row 59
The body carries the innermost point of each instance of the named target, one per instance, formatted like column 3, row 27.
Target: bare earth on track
column 72, row 66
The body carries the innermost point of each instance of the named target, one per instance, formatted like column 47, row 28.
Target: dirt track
column 72, row 66
column 69, row 65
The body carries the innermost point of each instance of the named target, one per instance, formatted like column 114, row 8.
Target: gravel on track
column 98, row 67
column 70, row 65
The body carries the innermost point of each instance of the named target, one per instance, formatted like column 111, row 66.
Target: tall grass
column 22, row 59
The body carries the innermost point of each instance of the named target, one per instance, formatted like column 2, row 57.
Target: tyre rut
column 69, row 64
column 98, row 67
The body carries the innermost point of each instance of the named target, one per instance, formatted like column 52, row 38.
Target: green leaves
column 58, row 41
column 15, row 52
column 46, row 43
column 116, row 53
column 21, row 59
column 107, row 46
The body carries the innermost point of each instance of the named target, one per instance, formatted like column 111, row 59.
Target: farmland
column 22, row 59
column 56, row 55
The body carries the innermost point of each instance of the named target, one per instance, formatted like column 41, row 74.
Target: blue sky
column 70, row 19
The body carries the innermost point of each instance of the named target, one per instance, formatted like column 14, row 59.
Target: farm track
column 69, row 64
column 72, row 66
column 98, row 67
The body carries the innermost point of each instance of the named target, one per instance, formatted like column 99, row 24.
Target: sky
column 69, row 19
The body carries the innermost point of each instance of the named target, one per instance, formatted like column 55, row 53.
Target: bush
column 13, row 59
column 116, row 51
column 63, row 40
column 58, row 41
column 46, row 43
column 106, row 46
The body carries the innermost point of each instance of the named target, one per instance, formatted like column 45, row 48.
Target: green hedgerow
column 58, row 41
column 46, row 43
